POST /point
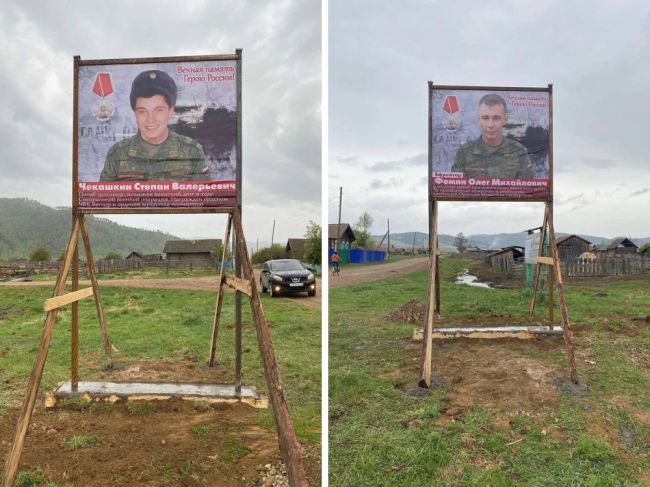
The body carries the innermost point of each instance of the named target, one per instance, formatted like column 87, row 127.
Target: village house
column 295, row 248
column 618, row 246
column 571, row 247
column 345, row 235
column 505, row 258
column 191, row 251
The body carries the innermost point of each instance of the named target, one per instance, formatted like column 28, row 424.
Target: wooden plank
column 13, row 457
column 286, row 434
column 487, row 332
column 72, row 297
column 427, row 348
column 74, row 320
column 98, row 302
column 540, row 248
column 238, row 284
column 217, row 307
column 566, row 327
column 544, row 260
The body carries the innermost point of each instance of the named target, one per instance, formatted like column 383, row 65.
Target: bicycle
column 336, row 269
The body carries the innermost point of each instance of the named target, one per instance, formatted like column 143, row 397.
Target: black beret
column 153, row 82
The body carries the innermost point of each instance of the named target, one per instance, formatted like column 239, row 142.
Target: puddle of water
column 466, row 278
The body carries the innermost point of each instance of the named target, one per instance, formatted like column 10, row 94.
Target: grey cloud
column 385, row 184
column 413, row 161
column 640, row 192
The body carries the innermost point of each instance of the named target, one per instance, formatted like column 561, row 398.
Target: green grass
column 200, row 430
column 381, row 436
column 166, row 326
column 82, row 441
column 143, row 273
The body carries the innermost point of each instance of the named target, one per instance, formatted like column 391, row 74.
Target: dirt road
column 206, row 283
column 357, row 275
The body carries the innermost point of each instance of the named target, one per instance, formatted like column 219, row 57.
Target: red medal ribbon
column 451, row 104
column 103, row 85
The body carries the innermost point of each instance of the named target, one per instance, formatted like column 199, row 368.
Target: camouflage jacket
column 178, row 158
column 475, row 159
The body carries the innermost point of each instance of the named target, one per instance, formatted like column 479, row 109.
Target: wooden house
column 295, row 248
column 571, row 247
column 140, row 257
column 506, row 258
column 621, row 246
column 342, row 232
column 191, row 251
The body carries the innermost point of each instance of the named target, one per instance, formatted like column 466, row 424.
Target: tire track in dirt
column 375, row 272
column 205, row 283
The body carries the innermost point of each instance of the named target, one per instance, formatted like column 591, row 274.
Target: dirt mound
column 413, row 312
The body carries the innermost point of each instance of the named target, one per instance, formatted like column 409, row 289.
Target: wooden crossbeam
column 544, row 260
column 58, row 301
column 238, row 284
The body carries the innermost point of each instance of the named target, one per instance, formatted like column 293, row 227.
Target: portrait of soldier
column 155, row 153
column 492, row 155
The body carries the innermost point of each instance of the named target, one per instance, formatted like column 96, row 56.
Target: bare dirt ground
column 374, row 272
column 205, row 283
column 165, row 444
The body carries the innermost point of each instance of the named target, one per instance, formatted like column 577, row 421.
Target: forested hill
column 26, row 225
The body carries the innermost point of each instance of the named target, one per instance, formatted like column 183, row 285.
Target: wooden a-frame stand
column 433, row 302
column 246, row 285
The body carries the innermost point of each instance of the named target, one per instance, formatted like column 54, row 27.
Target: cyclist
column 336, row 259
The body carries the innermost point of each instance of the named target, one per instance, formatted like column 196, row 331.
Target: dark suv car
column 286, row 276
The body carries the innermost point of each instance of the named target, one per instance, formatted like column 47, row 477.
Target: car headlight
column 310, row 277
column 276, row 278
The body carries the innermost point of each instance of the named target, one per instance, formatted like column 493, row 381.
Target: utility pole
column 272, row 235
column 413, row 249
column 338, row 227
column 388, row 248
column 257, row 244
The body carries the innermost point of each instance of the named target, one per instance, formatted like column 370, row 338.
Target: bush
column 41, row 254
column 262, row 255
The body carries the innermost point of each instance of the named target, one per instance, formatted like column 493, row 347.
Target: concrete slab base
column 489, row 332
column 154, row 391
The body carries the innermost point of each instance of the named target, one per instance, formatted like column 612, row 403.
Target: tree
column 362, row 231
column 113, row 256
column 313, row 243
column 460, row 242
column 217, row 252
column 41, row 254
column 268, row 253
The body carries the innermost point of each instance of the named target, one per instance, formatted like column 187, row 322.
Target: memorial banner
column 490, row 144
column 157, row 134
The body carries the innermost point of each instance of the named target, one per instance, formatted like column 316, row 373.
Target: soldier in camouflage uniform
column 155, row 153
column 492, row 155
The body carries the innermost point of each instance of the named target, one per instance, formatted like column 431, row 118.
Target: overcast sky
column 595, row 53
column 281, row 42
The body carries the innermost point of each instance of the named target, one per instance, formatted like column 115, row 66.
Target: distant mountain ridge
column 484, row 241
column 26, row 225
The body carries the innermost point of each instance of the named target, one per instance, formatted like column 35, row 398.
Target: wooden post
column 427, row 345
column 217, row 309
column 11, row 465
column 238, row 295
column 540, row 250
column 286, row 434
column 95, row 285
column 74, row 327
column 551, row 285
column 566, row 327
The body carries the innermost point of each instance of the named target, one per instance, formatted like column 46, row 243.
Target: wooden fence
column 607, row 266
column 26, row 269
